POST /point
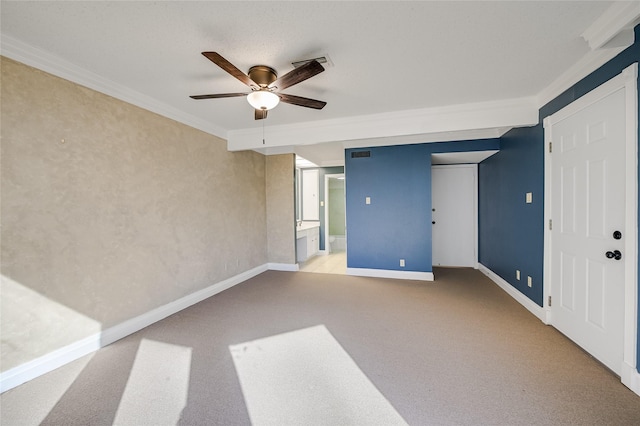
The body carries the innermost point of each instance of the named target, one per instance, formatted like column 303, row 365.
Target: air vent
column 360, row 154
column 322, row 59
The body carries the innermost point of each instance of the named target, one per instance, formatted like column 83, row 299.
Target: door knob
column 614, row 255
column 617, row 235
column 433, row 222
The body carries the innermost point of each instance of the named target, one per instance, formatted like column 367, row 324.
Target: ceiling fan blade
column 299, row 74
column 260, row 114
column 300, row 101
column 230, row 68
column 219, row 95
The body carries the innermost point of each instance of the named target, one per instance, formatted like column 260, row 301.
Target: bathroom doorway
column 335, row 214
column 334, row 260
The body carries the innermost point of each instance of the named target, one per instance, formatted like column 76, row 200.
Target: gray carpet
column 455, row 351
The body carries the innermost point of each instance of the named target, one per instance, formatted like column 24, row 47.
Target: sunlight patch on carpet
column 47, row 390
column 306, row 377
column 157, row 389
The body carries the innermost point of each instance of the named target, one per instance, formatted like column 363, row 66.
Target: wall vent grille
column 360, row 154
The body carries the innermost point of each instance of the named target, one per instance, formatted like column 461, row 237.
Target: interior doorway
column 335, row 214
column 334, row 259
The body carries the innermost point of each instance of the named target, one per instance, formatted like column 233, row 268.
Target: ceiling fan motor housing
column 262, row 75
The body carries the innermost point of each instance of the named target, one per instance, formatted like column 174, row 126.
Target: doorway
column 334, row 260
column 335, row 240
column 591, row 222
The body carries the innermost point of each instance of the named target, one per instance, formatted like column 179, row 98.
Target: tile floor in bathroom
column 334, row 263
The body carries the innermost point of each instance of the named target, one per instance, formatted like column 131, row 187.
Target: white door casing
column 590, row 192
column 454, row 215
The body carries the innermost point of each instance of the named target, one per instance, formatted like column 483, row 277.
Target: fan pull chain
column 263, row 132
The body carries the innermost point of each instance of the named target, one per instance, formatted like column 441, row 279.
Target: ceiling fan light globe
column 263, row 99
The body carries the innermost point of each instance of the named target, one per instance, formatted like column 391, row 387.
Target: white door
column 588, row 233
column 454, row 215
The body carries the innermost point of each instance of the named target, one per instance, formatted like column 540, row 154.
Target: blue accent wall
column 397, row 223
column 511, row 232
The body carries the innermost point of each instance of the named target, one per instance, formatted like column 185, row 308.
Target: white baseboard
column 541, row 313
column 387, row 273
column 289, row 267
column 49, row 362
column 630, row 377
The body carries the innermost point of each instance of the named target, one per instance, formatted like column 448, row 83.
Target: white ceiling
column 461, row 157
column 404, row 72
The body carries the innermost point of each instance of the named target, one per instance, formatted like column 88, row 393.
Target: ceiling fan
column 265, row 85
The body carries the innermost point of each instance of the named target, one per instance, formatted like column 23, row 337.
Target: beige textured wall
column 280, row 186
column 109, row 211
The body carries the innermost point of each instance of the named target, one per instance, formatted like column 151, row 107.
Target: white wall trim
column 49, row 362
column 45, row 61
column 387, row 273
column 619, row 18
column 630, row 75
column 630, row 377
column 585, row 66
column 530, row 305
column 288, row 267
column 617, row 23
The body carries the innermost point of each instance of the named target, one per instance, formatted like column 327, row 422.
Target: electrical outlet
column 402, row 263
column 529, row 281
column 367, row 200
column 529, row 197
column 518, row 274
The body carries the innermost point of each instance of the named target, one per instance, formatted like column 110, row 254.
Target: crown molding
column 609, row 35
column 619, row 18
column 585, row 66
column 29, row 55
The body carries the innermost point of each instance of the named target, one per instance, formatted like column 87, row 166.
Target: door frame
column 626, row 80
column 474, row 167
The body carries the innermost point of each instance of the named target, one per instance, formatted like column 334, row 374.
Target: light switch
column 367, row 200
column 529, row 197
column 321, row 203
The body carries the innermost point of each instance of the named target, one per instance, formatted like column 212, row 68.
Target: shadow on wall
column 109, row 212
column 34, row 325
